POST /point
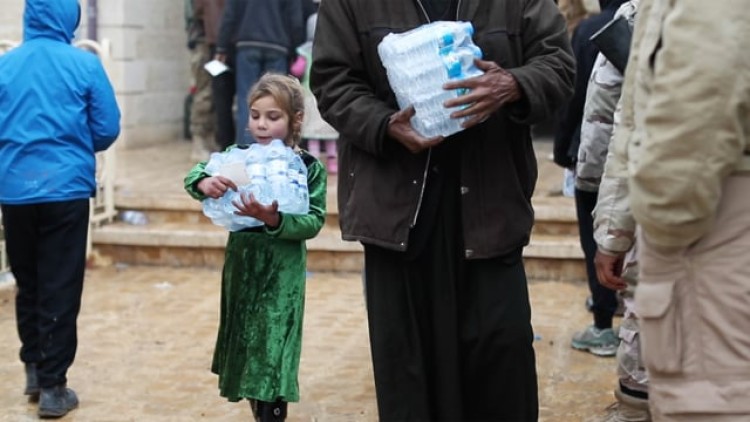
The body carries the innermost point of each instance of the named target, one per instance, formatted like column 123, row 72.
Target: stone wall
column 149, row 65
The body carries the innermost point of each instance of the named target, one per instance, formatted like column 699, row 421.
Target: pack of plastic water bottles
column 270, row 172
column 418, row 62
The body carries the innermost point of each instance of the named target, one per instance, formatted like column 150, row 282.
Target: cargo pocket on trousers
column 661, row 330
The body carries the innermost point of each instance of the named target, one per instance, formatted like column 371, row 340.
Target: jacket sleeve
column 195, row 175
column 103, row 111
column 295, row 14
column 306, row 226
column 547, row 76
column 694, row 120
column 338, row 79
column 568, row 134
column 614, row 225
column 227, row 27
column 602, row 95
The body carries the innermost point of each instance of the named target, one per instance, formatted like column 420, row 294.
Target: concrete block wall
column 149, row 65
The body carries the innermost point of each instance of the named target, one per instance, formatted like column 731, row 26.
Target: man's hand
column 400, row 129
column 216, row 186
column 486, row 93
column 609, row 269
column 250, row 207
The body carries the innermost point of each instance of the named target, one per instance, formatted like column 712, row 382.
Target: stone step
column 554, row 216
column 202, row 245
column 178, row 234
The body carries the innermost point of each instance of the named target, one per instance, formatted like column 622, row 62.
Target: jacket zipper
column 429, row 153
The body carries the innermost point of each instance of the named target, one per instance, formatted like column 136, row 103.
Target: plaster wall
column 149, row 65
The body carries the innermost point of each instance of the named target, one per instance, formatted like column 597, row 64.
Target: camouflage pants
column 202, row 118
column 631, row 370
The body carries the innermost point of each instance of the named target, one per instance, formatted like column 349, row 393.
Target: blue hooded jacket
column 57, row 108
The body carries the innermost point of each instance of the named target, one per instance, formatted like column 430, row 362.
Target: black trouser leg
column 223, row 87
column 412, row 320
column 451, row 349
column 499, row 364
column 21, row 239
column 47, row 253
column 604, row 300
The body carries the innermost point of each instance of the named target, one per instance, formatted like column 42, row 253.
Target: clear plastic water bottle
column 569, row 183
column 215, row 161
column 277, row 166
column 255, row 166
column 297, row 176
column 420, row 61
column 136, row 218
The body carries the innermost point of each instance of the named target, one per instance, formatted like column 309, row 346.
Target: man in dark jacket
column 264, row 34
column 444, row 221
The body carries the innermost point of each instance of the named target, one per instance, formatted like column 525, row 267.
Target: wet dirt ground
column 146, row 335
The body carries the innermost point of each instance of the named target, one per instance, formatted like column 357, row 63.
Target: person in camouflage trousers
column 614, row 227
column 202, row 118
column 684, row 147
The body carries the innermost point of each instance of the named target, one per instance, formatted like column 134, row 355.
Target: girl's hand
column 250, row 207
column 215, row 186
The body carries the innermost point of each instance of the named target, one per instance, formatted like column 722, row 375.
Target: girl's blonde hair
column 289, row 96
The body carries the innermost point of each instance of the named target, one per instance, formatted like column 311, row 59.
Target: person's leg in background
column 275, row 61
column 252, row 63
column 21, row 238
column 313, row 147
column 598, row 338
column 332, row 162
column 224, row 90
column 60, row 230
column 249, row 62
column 202, row 120
column 631, row 391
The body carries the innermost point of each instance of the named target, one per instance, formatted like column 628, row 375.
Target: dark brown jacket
column 380, row 182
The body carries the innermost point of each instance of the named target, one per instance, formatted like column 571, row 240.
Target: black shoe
column 271, row 412
column 32, row 385
column 57, row 401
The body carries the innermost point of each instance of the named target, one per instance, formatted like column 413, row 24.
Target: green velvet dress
column 259, row 342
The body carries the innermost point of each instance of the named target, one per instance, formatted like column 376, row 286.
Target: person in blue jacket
column 57, row 109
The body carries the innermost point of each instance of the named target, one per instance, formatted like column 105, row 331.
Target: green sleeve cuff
column 276, row 231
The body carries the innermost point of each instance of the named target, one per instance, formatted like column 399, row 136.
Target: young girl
column 263, row 282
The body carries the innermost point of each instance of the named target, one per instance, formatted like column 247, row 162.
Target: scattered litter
column 164, row 285
column 537, row 337
column 7, row 281
column 136, row 218
column 121, row 266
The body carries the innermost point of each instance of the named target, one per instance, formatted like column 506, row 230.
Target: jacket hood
column 54, row 19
